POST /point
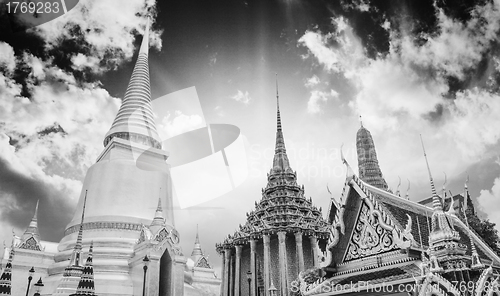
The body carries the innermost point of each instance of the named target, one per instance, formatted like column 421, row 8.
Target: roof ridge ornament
column 349, row 172
column 408, row 190
column 397, row 188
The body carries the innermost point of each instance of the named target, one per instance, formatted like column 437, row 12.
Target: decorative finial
column 197, row 240
column 436, row 203
column 350, row 172
column 84, row 205
column 361, row 120
column 408, row 190
column 444, row 187
column 466, row 196
column 397, row 188
column 35, row 216
column 277, row 95
column 278, row 104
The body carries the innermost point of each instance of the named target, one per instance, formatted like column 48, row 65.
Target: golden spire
column 135, row 120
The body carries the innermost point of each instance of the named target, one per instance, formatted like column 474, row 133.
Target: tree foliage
column 484, row 228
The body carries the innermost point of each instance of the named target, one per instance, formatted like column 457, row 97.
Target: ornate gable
column 368, row 237
column 203, row 263
column 30, row 244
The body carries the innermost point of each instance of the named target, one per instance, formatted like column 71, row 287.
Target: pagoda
column 281, row 237
column 124, row 216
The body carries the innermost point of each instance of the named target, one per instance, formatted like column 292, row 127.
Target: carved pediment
column 368, row 237
column 203, row 263
column 30, row 244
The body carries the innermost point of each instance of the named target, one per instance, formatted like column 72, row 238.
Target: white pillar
column 314, row 247
column 237, row 273
column 282, row 259
column 300, row 250
column 225, row 283
column 253, row 283
column 267, row 255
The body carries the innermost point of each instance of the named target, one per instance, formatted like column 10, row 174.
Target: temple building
column 281, row 237
column 124, row 217
column 381, row 243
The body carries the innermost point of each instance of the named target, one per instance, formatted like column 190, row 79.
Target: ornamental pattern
column 30, row 244
column 104, row 225
column 368, row 238
column 203, row 263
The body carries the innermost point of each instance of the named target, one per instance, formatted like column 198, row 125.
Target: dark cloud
column 55, row 211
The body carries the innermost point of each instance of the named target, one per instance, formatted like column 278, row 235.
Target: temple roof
column 135, row 120
column 398, row 209
column 283, row 206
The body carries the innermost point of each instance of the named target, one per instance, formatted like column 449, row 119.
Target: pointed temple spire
column 76, row 256
column 86, row 284
column 6, row 277
column 475, row 260
column 73, row 271
column 135, row 120
column 158, row 220
column 369, row 169
column 280, row 161
column 197, row 246
column 436, row 202
column 31, row 238
column 444, row 240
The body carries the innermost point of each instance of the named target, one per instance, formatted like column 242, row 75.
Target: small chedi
column 381, row 243
column 117, row 244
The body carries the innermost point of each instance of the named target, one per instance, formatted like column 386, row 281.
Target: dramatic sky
column 407, row 67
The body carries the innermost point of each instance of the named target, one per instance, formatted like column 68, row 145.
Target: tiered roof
column 284, row 206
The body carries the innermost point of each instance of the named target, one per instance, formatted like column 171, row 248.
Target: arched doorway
column 166, row 278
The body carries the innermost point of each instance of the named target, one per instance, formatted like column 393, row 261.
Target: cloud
column 52, row 121
column 108, row 39
column 340, row 51
column 489, row 202
column 7, row 58
column 243, row 97
column 458, row 47
column 179, row 123
column 317, row 98
column 406, row 91
column 312, row 81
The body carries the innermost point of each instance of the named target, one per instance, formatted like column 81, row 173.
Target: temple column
column 253, row 285
column 282, row 257
column 231, row 276
column 300, row 250
column 267, row 258
column 237, row 274
column 223, row 274
column 227, row 258
column 314, row 247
